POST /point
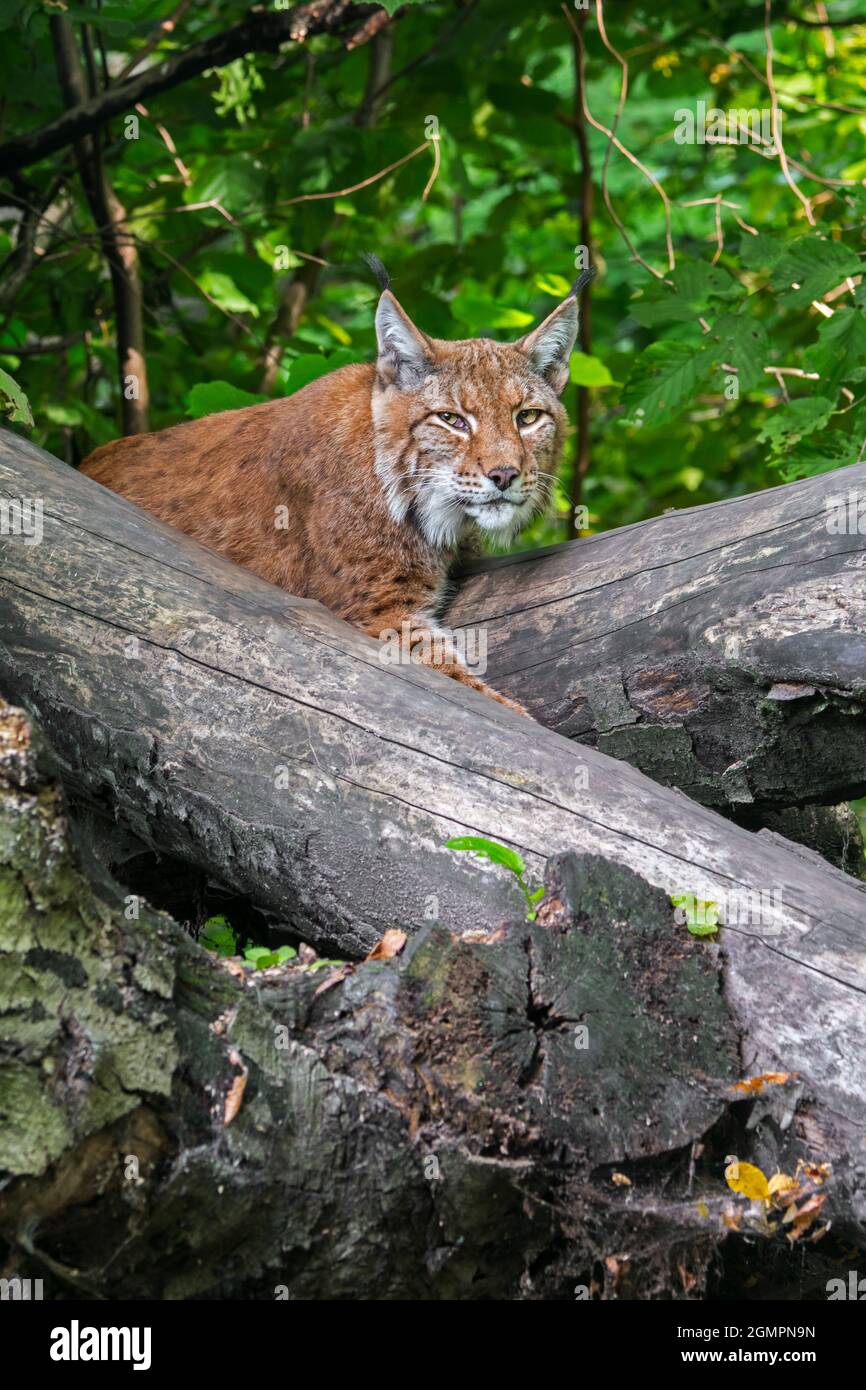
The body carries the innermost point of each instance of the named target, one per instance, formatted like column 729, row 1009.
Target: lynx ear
column 405, row 352
column 549, row 346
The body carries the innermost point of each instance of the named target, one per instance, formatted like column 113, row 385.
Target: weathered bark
column 255, row 737
column 544, row 1111
column 722, row 649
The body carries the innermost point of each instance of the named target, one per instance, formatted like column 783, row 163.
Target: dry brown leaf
column 801, row 1224
column 767, row 1078
column 485, row 938
column 233, row 966
column 815, row 1172
column 334, row 979
column 391, row 945
column 809, row 1208
column 235, row 1093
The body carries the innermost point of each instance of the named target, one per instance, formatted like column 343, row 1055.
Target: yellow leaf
column 781, row 1182
column 748, row 1180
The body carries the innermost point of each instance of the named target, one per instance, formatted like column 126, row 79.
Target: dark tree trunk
column 117, row 241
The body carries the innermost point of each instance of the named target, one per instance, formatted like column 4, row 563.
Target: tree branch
column 260, row 33
column 118, row 245
column 828, row 23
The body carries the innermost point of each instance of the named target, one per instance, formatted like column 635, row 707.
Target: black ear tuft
column 582, row 280
column 381, row 274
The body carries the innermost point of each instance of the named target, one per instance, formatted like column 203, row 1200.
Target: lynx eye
column 455, row 421
column 528, row 417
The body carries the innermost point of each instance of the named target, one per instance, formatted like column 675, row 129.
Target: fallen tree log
column 546, row 1111
column 721, row 649
column 255, row 737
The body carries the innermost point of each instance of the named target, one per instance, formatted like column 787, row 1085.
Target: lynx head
column 469, row 431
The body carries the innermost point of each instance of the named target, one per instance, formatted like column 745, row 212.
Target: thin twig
column 169, row 144
column 614, row 140
column 355, row 187
column 774, row 113
column 165, row 26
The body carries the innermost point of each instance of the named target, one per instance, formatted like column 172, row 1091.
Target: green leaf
column 698, row 281
column 236, row 183
column 585, row 370
column 210, row 397
column 815, row 266
column 812, row 456
column 556, row 285
column 695, row 284
column 743, row 343
column 262, row 957
column 650, row 311
column 663, row 379
column 537, row 895
column 703, row 928
column 392, row 6
column 840, row 350
column 696, row 912
column 14, row 402
column 760, row 251
column 218, row 936
column 224, row 292
column 311, row 365
column 479, row 312
column 489, row 849
column 791, row 421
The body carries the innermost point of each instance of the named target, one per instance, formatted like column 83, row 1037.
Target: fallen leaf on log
column 236, row 1091
column 390, row 945
column 767, row 1078
column 801, row 1218
column 748, row 1180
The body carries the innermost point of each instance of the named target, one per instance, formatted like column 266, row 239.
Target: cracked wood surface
column 721, row 649
column 259, row 738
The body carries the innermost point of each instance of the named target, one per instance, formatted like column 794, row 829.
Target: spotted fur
column 359, row 489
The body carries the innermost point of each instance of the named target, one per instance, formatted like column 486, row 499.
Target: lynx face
column 468, row 432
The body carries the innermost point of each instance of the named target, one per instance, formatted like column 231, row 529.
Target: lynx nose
column 503, row 477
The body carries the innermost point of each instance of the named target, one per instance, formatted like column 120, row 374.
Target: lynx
column 360, row 489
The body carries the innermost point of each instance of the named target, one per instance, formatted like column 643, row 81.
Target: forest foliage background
column 724, row 342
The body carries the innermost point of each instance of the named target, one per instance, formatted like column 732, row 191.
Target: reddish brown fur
column 368, row 529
